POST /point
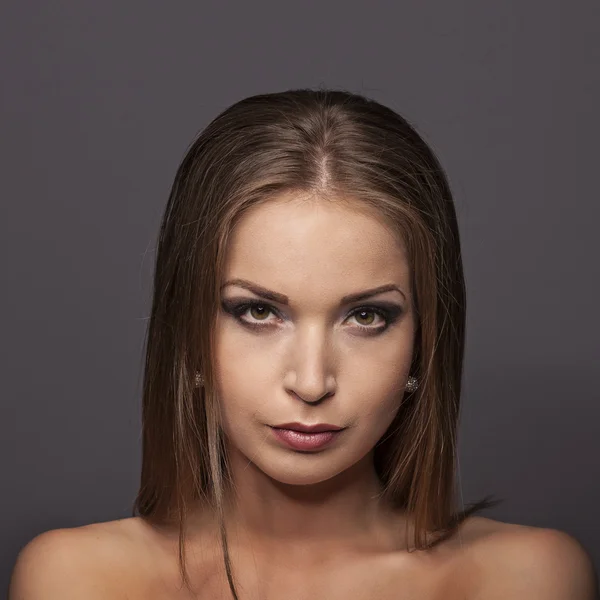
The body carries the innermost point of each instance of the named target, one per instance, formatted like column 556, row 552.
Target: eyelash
column 390, row 315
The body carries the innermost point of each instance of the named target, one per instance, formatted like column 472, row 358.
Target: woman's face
column 309, row 357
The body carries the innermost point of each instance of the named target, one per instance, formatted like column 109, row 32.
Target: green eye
column 259, row 311
column 368, row 312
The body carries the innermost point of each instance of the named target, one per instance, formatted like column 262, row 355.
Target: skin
column 312, row 361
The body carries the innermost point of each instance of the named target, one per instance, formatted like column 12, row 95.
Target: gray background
column 99, row 101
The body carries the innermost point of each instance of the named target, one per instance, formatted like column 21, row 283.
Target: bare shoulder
column 81, row 562
column 525, row 562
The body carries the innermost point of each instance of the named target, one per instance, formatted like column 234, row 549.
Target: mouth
column 306, row 441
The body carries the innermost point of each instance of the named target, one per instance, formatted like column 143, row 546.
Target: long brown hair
column 331, row 143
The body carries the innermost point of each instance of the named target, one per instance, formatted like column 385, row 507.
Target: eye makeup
column 389, row 312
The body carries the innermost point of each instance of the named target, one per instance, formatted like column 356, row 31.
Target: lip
column 305, row 441
column 317, row 428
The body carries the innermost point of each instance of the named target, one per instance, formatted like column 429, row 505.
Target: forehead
column 297, row 241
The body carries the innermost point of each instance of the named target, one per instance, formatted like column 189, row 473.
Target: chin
column 302, row 468
column 297, row 477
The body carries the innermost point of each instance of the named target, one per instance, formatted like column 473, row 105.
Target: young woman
column 302, row 384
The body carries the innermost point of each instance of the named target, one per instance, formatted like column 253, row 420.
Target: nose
column 311, row 379
column 311, row 394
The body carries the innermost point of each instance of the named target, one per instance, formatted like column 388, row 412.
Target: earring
column 199, row 381
column 412, row 384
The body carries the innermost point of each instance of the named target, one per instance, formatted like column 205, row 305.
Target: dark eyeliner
column 388, row 311
column 237, row 308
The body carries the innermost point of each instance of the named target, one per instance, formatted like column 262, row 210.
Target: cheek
column 236, row 407
column 240, row 356
column 238, row 381
column 381, row 405
column 230, row 363
column 380, row 373
column 378, row 382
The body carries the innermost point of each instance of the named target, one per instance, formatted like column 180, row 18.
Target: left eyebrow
column 283, row 299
